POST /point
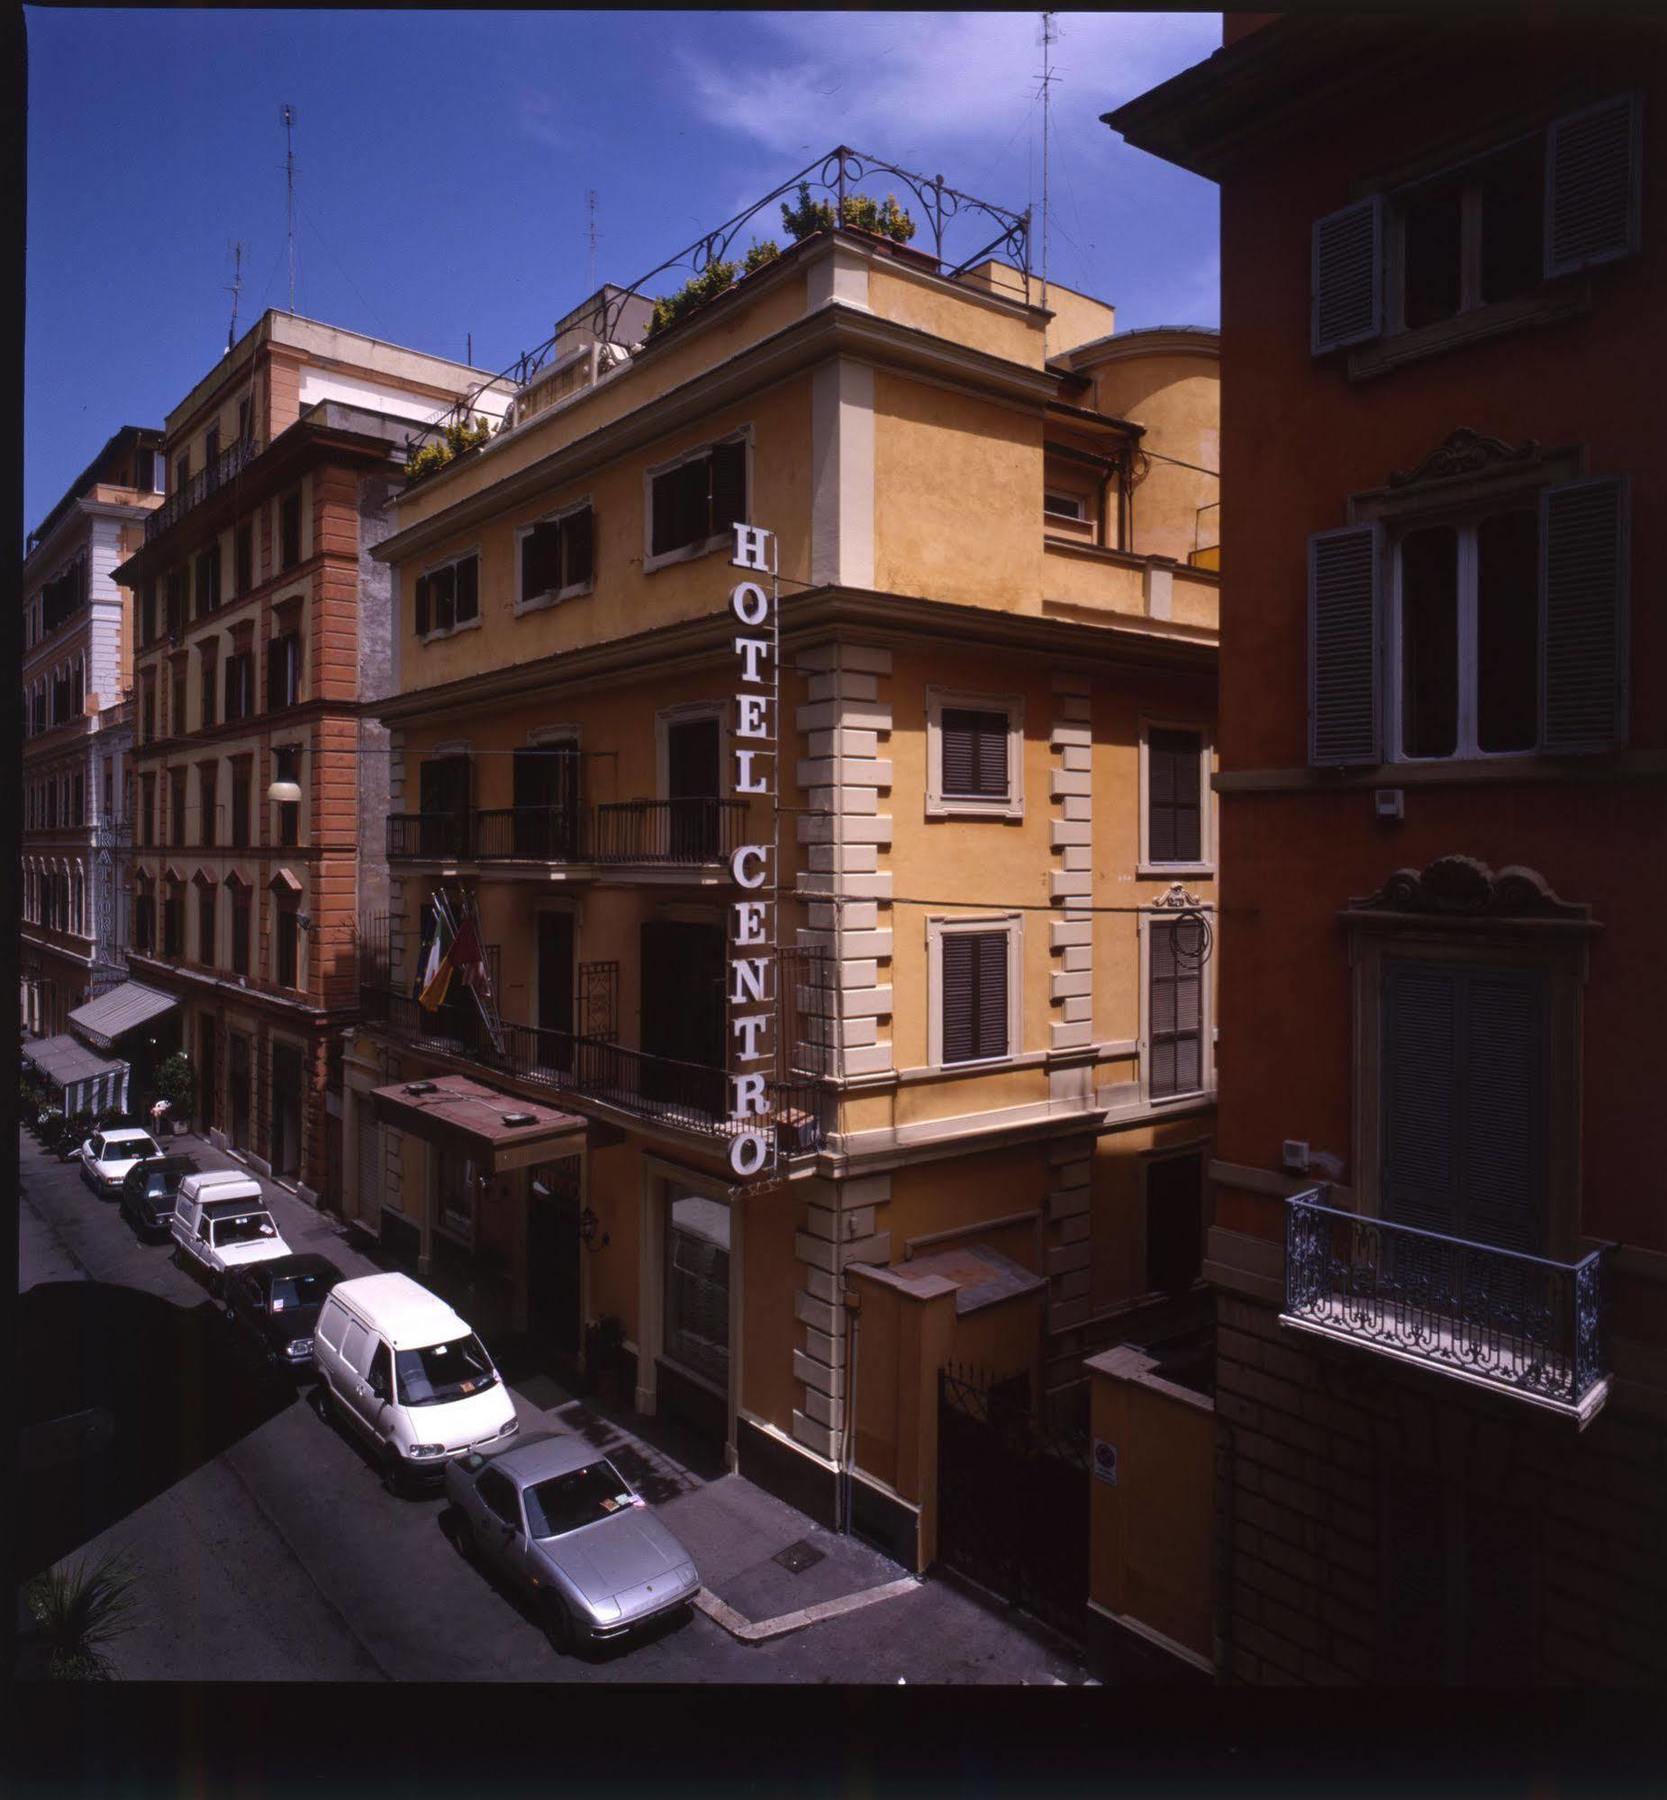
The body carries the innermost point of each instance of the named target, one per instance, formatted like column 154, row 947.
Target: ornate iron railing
column 226, row 467
column 689, row 1096
column 1523, row 1322
column 689, row 833
column 530, row 833
column 437, row 834
column 835, row 176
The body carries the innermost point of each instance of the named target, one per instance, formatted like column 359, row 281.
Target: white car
column 107, row 1156
column 221, row 1222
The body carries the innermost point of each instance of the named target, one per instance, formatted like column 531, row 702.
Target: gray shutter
column 956, row 1001
column 1502, row 1123
column 1347, row 276
column 1343, row 614
column 1583, row 615
column 1418, row 1113
column 1593, row 163
column 992, row 992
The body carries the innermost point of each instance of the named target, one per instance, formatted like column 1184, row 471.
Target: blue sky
column 443, row 160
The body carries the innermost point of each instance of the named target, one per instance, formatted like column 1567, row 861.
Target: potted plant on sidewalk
column 176, row 1088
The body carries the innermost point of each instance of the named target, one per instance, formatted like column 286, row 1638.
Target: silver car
column 563, row 1524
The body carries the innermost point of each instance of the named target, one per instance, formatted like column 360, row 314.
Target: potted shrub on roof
column 716, row 278
column 884, row 221
column 461, row 436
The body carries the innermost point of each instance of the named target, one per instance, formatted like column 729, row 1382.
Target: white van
column 409, row 1376
column 221, row 1222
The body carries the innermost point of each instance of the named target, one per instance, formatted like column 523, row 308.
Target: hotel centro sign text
column 755, row 867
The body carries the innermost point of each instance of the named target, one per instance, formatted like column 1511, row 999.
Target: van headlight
column 428, row 1450
column 299, row 1347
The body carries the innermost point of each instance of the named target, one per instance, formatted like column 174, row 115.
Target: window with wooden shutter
column 1584, row 615
column 1593, row 170
column 467, row 603
column 1347, row 276
column 578, row 548
column 1174, row 796
column 729, row 486
column 973, row 999
column 698, row 499
column 1175, row 1012
column 1343, row 610
column 1463, row 1096
column 541, row 560
column 289, row 531
column 421, row 606
column 974, row 750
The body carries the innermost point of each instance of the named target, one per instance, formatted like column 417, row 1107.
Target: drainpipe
column 853, row 1320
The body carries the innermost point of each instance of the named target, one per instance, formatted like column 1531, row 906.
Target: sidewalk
column 735, row 1531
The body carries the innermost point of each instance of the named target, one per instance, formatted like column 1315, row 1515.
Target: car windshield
column 566, row 1502
column 443, row 1372
column 290, row 1292
column 248, row 1229
column 128, row 1149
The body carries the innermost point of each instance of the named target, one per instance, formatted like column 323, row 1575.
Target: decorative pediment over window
column 172, row 877
column 1175, row 898
column 285, row 881
column 1461, row 888
column 234, row 879
column 1466, row 452
column 203, row 879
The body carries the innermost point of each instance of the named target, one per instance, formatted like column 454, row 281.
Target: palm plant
column 78, row 1611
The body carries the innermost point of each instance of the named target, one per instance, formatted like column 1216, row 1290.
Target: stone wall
column 1537, row 1552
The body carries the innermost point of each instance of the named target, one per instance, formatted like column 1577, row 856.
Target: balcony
column 226, row 467
column 1497, row 1318
column 695, row 833
column 685, row 1096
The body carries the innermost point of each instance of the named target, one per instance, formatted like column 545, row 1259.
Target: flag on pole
column 466, row 955
column 437, row 973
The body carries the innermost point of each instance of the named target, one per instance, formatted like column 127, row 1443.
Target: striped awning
column 123, row 1009
column 88, row 1082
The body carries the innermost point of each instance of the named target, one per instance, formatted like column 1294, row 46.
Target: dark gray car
column 563, row 1524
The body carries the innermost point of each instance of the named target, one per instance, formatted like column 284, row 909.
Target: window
column 1175, row 770
column 1507, row 628
column 243, row 560
column 208, row 780
column 556, row 556
column 974, row 969
column 1065, row 506
column 211, row 446
column 179, row 720
column 1174, row 1009
column 240, row 684
column 243, row 410
column 242, row 770
column 697, row 1279
column 975, row 755
column 182, row 471
column 448, row 597
column 144, row 922
column 286, row 940
column 289, row 531
column 1174, row 1223
column 240, row 926
column 147, row 810
column 173, row 919
column 205, row 925
column 78, row 815
column 1462, row 243
column 109, row 791
column 286, row 766
column 208, row 581
column 147, row 708
column 176, row 808
column 208, row 683
column 176, row 602
column 693, row 503
column 454, row 1189
column 283, row 671
column 147, row 613
column 443, row 794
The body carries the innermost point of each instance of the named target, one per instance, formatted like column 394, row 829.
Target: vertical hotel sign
column 755, row 867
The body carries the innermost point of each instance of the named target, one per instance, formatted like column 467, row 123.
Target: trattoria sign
column 752, row 962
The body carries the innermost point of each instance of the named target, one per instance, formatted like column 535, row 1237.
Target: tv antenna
column 1050, row 36
column 286, row 113
column 235, row 288
column 590, row 208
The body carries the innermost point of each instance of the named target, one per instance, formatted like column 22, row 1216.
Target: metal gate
column 1013, row 1497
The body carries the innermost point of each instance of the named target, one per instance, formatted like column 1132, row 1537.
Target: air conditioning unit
column 1390, row 803
column 1293, row 1154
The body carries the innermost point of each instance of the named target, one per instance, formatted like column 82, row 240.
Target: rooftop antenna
column 235, row 288
column 1050, row 36
column 590, row 207
column 286, row 113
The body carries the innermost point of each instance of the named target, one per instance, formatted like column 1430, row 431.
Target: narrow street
column 267, row 1550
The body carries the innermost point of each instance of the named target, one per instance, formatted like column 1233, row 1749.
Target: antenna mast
column 1050, row 35
column 286, row 113
column 235, row 289
column 590, row 206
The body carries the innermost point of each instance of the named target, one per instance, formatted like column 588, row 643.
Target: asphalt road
column 267, row 1549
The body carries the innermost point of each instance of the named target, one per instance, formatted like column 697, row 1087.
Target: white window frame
column 938, row 927
column 1079, row 501
column 1146, row 865
column 955, row 806
column 573, row 590
column 456, row 556
column 742, row 434
column 1206, row 1016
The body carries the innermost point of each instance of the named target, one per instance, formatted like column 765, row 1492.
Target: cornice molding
column 1461, row 887
column 1466, row 453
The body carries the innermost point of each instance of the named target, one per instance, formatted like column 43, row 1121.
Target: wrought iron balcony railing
column 1523, row 1323
column 689, row 1096
column 688, row 833
column 226, row 467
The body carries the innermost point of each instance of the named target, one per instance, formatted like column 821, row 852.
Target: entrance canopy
column 498, row 1131
column 89, row 1083
column 123, row 1009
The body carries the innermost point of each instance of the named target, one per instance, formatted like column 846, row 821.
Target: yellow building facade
column 988, row 852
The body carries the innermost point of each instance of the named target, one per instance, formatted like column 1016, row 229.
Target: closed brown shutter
column 1419, row 1074
column 577, row 532
column 974, row 997
column 468, row 589
column 974, row 751
column 541, row 561
column 1593, row 167
column 422, row 606
column 1343, row 610
column 1347, row 277
column 1584, row 615
column 1174, row 821
column 729, row 486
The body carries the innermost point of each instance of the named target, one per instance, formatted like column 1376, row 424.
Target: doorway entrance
column 284, row 1137
column 683, row 1015
column 554, row 1275
column 241, row 1069
column 208, row 1112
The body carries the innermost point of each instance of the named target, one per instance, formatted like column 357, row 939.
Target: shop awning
column 89, row 1083
column 499, row 1131
column 123, row 1009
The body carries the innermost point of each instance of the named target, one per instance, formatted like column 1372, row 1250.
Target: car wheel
column 393, row 1472
column 558, row 1627
column 321, row 1401
column 463, row 1535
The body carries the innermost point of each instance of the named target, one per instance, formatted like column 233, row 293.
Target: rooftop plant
column 715, row 279
column 883, row 218
column 465, row 434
